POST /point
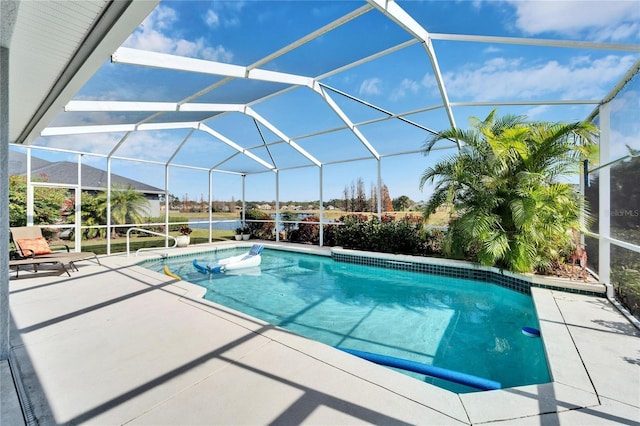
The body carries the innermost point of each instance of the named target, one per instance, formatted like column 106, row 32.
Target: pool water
column 463, row 325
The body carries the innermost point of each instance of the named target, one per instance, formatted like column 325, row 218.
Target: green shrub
column 352, row 233
column 307, row 232
column 380, row 234
column 329, row 235
column 433, row 241
column 264, row 225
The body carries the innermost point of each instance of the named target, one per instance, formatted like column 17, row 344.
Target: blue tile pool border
column 406, row 263
column 485, row 275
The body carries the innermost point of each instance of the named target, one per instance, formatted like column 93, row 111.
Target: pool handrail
column 429, row 370
column 175, row 240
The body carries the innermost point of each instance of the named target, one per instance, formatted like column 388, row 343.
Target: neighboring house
column 93, row 179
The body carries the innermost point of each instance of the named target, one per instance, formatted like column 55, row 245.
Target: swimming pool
column 459, row 324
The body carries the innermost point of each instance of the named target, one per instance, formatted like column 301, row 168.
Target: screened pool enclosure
column 295, row 101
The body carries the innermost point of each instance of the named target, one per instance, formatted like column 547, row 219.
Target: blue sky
column 243, row 32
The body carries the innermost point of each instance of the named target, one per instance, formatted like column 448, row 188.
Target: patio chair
column 17, row 263
column 31, row 244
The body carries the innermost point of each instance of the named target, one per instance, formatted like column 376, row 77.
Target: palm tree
column 128, row 205
column 506, row 187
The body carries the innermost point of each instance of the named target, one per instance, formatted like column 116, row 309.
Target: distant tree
column 373, row 199
column 345, row 199
column 174, row 202
column 185, row 203
column 387, row 205
column 361, row 197
column 336, row 202
column 401, row 203
column 352, row 199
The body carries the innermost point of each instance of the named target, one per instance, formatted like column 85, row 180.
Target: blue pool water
column 463, row 325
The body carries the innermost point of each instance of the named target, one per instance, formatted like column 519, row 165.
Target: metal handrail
column 175, row 240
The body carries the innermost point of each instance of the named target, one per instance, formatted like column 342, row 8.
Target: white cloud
column 621, row 143
column 623, row 31
column 161, row 18
column 224, row 14
column 214, row 53
column 535, row 112
column 152, row 146
column 492, row 49
column 100, row 143
column 406, row 86
column 157, row 34
column 516, row 79
column 212, row 18
column 602, row 20
column 370, row 86
column 149, row 35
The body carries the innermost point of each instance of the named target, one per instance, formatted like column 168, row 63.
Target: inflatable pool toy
column 171, row 274
column 530, row 332
column 200, row 268
column 249, row 259
column 426, row 369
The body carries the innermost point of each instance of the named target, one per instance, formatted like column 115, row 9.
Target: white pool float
column 249, row 259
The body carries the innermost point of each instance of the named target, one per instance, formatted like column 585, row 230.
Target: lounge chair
column 31, row 244
column 17, row 263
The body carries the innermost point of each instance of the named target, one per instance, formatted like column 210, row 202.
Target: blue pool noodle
column 429, row 370
column 203, row 269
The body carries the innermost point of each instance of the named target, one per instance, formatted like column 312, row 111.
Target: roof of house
column 66, row 172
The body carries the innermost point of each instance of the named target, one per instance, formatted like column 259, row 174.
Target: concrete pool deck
column 118, row 344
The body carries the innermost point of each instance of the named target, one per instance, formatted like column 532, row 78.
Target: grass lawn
column 119, row 245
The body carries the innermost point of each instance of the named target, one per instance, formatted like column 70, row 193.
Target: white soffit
column 55, row 49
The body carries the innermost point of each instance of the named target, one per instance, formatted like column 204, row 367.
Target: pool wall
column 461, row 269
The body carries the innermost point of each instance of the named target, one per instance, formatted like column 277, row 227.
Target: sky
column 245, row 32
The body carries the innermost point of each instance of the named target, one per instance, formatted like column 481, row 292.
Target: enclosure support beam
column 5, row 344
column 604, row 208
column 406, row 21
column 277, row 227
column 78, row 207
column 166, row 204
column 244, row 207
column 210, row 206
column 321, row 214
column 29, row 190
column 109, row 205
column 345, row 119
column 379, row 190
column 250, row 112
